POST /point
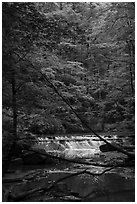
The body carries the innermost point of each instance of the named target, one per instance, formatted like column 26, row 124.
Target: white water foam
column 71, row 147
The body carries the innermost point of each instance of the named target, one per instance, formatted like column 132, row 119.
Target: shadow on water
column 115, row 186
column 108, row 187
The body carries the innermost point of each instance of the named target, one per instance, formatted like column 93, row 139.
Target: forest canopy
column 68, row 101
column 85, row 49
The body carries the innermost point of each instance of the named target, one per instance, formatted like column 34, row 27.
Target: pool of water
column 115, row 186
column 118, row 185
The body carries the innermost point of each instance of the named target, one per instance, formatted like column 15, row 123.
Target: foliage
column 85, row 49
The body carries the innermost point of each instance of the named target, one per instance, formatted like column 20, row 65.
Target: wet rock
column 71, row 198
column 106, row 148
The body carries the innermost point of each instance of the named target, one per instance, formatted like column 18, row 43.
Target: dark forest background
column 85, row 49
column 68, row 101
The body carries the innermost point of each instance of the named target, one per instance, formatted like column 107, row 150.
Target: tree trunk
column 131, row 51
column 6, row 162
column 14, row 108
column 118, row 148
column 131, row 80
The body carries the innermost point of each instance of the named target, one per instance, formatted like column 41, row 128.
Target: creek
column 80, row 146
column 117, row 185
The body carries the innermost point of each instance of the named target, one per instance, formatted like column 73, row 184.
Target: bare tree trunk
column 6, row 162
column 131, row 80
column 131, row 51
column 14, row 107
column 116, row 147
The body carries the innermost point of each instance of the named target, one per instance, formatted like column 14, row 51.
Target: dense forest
column 67, row 66
column 86, row 50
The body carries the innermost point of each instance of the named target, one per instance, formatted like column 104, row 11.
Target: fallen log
column 45, row 77
column 11, row 180
column 110, row 148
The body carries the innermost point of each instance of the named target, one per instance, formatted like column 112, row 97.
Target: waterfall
column 61, row 146
column 71, row 145
column 83, row 146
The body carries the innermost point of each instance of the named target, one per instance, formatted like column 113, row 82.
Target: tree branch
column 118, row 148
column 76, row 161
column 46, row 189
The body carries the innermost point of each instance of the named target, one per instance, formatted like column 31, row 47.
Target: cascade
column 90, row 143
column 71, row 146
column 61, row 146
column 93, row 144
column 68, row 145
column 85, row 144
column 78, row 145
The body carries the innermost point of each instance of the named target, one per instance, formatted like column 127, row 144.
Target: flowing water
column 77, row 146
column 72, row 146
column 115, row 186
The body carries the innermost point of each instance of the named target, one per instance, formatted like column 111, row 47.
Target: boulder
column 106, row 148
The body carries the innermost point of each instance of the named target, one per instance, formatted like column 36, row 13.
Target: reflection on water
column 84, row 184
column 110, row 187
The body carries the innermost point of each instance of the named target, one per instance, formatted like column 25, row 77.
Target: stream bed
column 116, row 185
